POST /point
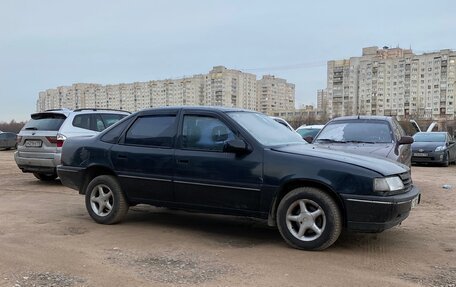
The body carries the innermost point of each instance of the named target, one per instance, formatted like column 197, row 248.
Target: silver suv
column 40, row 141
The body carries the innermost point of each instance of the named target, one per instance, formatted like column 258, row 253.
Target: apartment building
column 220, row 87
column 275, row 94
column 393, row 82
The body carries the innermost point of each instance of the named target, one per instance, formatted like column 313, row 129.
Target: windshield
column 265, row 130
column 429, row 137
column 356, row 132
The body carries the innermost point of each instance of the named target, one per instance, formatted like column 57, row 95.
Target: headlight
column 386, row 184
column 440, row 148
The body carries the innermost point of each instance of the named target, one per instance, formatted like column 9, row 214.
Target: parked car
column 237, row 162
column 283, row 122
column 309, row 132
column 7, row 140
column 40, row 140
column 433, row 147
column 379, row 136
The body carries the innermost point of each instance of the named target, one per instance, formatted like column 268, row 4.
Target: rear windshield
column 45, row 122
column 308, row 132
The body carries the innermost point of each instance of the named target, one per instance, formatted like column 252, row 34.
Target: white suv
column 40, row 141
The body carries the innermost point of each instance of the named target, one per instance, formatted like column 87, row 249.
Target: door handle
column 121, row 156
column 183, row 161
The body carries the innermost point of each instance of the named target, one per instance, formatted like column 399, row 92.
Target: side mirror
column 405, row 140
column 308, row 139
column 236, row 146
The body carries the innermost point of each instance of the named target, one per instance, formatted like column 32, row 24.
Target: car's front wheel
column 105, row 200
column 45, row 176
column 309, row 219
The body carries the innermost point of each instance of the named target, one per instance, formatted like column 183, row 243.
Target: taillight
column 58, row 140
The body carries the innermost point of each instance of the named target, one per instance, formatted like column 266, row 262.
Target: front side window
column 356, row 132
column 266, row 130
column 205, row 133
column 158, row 131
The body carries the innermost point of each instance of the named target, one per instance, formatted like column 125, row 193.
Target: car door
column 144, row 159
column 206, row 175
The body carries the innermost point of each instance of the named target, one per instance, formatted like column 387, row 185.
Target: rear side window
column 113, row 135
column 156, row 131
column 96, row 122
column 45, row 122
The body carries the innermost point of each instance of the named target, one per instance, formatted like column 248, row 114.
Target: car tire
column 309, row 219
column 45, row 176
column 105, row 200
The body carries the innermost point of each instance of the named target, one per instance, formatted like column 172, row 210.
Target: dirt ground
column 48, row 239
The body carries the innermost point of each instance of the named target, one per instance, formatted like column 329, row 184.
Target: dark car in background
column 433, row 147
column 379, row 136
column 236, row 162
column 8, row 140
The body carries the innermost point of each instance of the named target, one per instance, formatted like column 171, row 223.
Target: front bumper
column 375, row 214
column 432, row 157
column 33, row 162
column 71, row 177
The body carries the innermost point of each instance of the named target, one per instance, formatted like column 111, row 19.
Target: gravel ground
column 48, row 239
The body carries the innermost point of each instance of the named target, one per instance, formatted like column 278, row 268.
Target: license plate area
column 420, row 154
column 33, row 143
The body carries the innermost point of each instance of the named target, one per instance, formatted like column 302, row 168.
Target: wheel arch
column 92, row 172
column 293, row 184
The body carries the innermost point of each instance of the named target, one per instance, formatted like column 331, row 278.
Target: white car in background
column 283, row 122
column 309, row 131
column 39, row 143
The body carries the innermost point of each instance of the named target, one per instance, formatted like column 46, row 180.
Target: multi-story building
column 393, row 81
column 275, row 94
column 220, row 87
column 230, row 88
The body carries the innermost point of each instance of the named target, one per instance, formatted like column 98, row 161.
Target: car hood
column 383, row 166
column 426, row 146
column 380, row 149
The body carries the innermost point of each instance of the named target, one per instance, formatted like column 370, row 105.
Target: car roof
column 198, row 108
column 359, row 117
column 68, row 112
column 311, row 127
column 431, row 133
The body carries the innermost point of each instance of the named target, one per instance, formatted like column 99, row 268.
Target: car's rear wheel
column 105, row 200
column 309, row 219
column 45, row 176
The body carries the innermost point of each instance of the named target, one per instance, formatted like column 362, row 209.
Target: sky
column 49, row 43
